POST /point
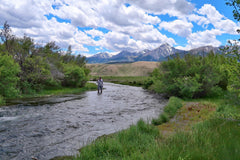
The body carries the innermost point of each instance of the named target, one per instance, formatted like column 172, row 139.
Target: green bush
column 8, row 76
column 2, row 101
column 147, row 83
column 51, row 83
column 192, row 76
column 36, row 72
column 74, row 76
column 26, row 88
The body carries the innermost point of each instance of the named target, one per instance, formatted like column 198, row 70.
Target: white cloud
column 218, row 20
column 24, row 13
column 172, row 7
column 200, row 20
column 204, row 38
column 180, row 27
column 94, row 33
column 136, row 26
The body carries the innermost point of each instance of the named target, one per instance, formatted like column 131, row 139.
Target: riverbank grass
column 128, row 80
column 170, row 110
column 62, row 90
column 58, row 91
column 2, row 101
column 199, row 130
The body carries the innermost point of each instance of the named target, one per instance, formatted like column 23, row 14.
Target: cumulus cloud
column 129, row 24
column 24, row 13
column 94, row 33
column 218, row 20
column 173, row 7
column 180, row 27
column 204, row 38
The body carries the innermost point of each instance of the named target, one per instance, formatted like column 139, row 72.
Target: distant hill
column 162, row 53
column 125, row 69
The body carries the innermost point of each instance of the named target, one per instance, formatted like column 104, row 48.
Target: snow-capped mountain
column 102, row 57
column 159, row 54
column 163, row 52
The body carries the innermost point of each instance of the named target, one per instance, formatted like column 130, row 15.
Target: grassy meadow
column 136, row 69
column 128, row 80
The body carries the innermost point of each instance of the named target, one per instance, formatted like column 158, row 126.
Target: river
column 59, row 125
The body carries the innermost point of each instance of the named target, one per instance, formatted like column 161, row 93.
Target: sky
column 93, row 26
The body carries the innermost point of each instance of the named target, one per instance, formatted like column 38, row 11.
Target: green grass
column 128, row 144
column 213, row 139
column 170, row 110
column 2, row 101
column 60, row 91
column 130, row 80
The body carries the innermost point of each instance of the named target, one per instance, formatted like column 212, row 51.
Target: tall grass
column 62, row 90
column 217, row 138
column 170, row 110
column 127, row 144
column 214, row 139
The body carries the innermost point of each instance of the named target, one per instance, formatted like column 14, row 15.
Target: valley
column 142, row 68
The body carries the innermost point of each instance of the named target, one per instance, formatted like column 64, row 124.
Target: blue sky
column 111, row 26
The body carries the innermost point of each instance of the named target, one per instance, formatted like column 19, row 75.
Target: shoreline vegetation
column 55, row 91
column 124, row 80
column 198, row 129
column 28, row 69
column 200, row 121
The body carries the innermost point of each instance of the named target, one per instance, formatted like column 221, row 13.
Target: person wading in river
column 100, row 84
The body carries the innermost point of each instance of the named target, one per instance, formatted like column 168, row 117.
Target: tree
column 236, row 5
column 6, row 36
column 8, row 76
column 233, row 47
column 74, row 76
column 192, row 76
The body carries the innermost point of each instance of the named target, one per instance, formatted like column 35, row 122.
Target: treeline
column 27, row 68
column 196, row 76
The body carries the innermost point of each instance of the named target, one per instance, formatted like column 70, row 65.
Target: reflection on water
column 54, row 126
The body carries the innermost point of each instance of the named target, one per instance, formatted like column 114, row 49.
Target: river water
column 55, row 126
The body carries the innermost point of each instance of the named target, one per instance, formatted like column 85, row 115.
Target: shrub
column 34, row 71
column 192, row 76
column 2, row 101
column 148, row 83
column 74, row 76
column 8, row 76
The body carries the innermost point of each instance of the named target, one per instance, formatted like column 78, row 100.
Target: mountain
column 159, row 54
column 99, row 58
column 163, row 52
column 204, row 50
column 125, row 56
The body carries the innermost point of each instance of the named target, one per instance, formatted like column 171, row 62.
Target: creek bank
column 45, row 93
column 194, row 130
column 59, row 125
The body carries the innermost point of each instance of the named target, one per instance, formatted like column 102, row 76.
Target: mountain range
column 162, row 53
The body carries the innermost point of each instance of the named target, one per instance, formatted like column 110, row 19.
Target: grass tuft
column 170, row 110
